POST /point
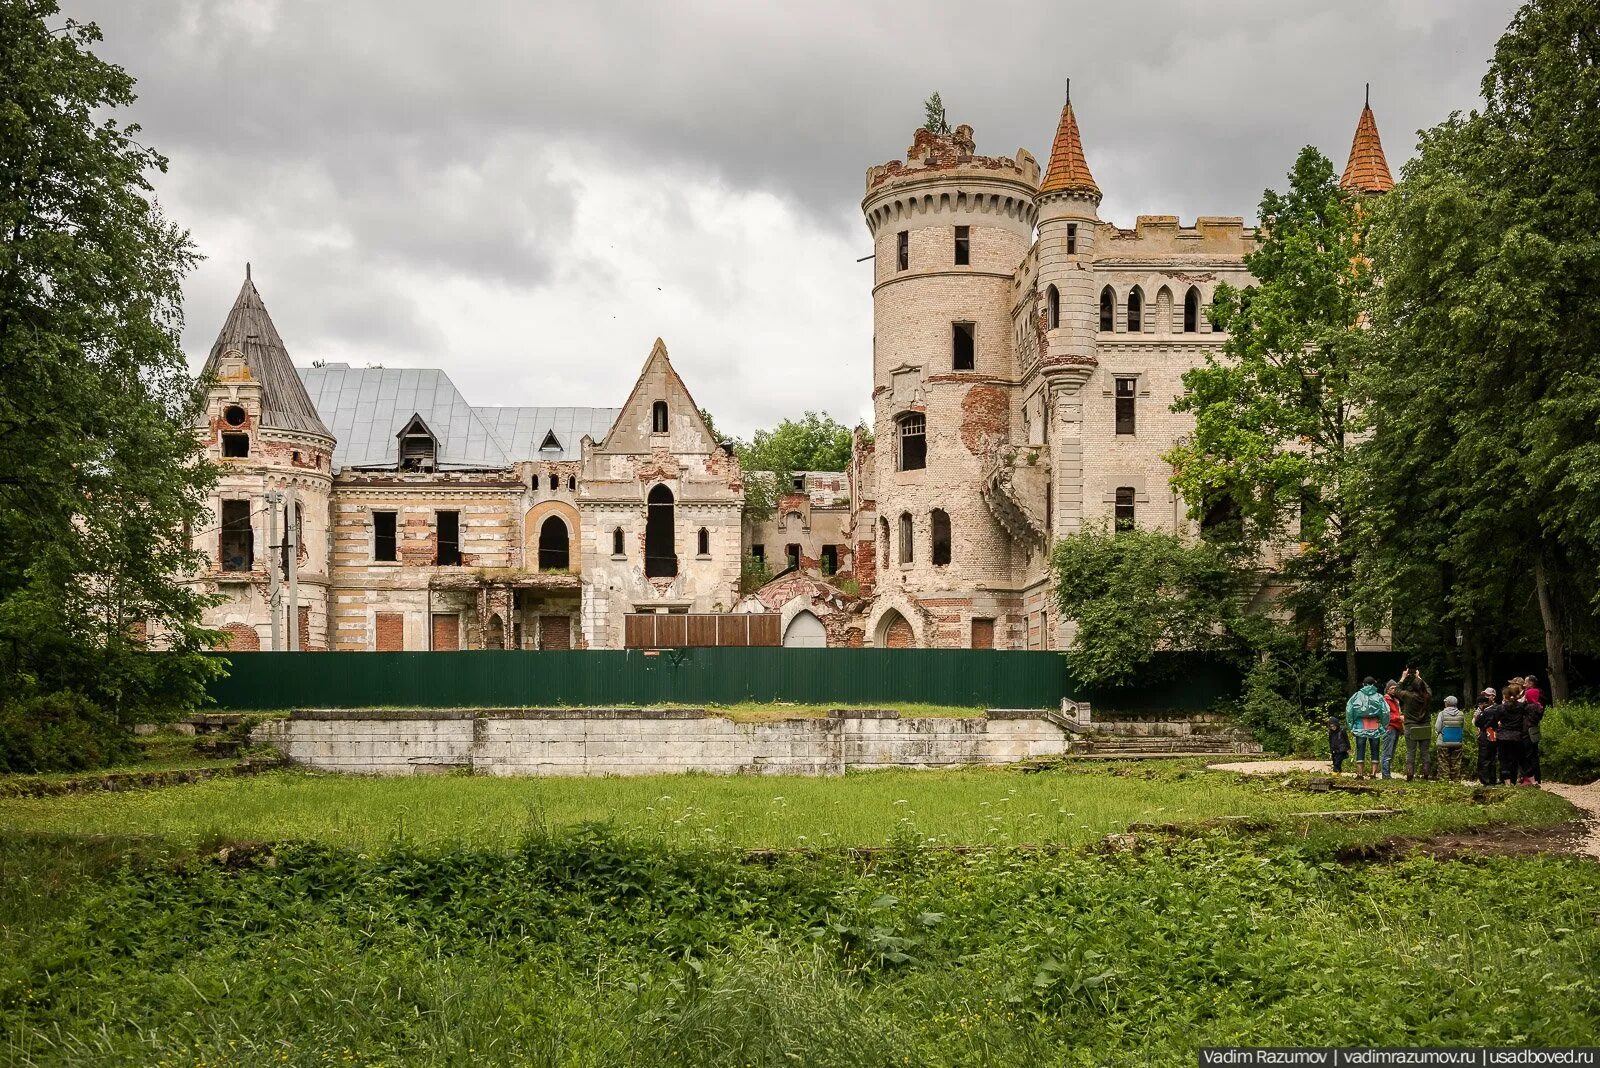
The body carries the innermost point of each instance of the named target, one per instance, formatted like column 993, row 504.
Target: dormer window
column 551, row 443
column 418, row 447
column 658, row 417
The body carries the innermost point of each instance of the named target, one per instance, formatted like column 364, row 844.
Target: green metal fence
column 479, row 679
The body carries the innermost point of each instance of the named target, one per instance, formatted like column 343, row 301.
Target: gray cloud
column 386, row 153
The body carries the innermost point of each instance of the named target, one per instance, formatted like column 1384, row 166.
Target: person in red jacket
column 1397, row 724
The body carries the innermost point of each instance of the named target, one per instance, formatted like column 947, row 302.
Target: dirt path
column 1585, row 798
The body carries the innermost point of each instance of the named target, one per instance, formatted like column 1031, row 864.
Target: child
column 1338, row 742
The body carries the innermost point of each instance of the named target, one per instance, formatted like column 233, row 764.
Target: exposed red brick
column 985, row 419
column 390, row 631
column 240, row 638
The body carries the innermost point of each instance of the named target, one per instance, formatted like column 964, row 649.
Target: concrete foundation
column 631, row 742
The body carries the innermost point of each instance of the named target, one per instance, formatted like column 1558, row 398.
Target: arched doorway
column 553, row 545
column 660, row 553
column 894, row 632
column 805, row 632
column 494, row 633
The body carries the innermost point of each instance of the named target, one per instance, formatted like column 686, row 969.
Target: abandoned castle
column 1026, row 355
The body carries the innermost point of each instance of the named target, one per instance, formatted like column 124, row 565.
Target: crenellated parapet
column 942, row 175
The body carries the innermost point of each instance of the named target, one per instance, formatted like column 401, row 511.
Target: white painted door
column 805, row 632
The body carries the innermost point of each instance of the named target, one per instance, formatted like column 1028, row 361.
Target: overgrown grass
column 998, row 806
column 580, row 949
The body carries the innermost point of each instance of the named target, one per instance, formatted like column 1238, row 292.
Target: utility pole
column 274, row 593
column 291, row 537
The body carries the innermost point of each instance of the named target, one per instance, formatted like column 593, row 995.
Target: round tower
column 949, row 228
column 275, row 456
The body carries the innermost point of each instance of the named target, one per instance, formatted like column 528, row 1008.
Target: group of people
column 1507, row 725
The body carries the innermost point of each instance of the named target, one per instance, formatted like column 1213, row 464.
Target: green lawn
column 997, row 806
column 468, row 921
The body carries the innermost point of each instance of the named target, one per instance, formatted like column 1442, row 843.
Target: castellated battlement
column 1163, row 235
column 942, row 174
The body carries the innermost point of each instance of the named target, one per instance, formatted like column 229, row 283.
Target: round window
column 233, row 415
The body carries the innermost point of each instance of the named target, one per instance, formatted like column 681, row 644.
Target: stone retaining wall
column 632, row 742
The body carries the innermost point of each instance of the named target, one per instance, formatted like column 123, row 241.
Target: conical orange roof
column 1367, row 171
column 1068, row 171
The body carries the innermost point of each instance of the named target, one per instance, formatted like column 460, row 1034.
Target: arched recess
column 1191, row 310
column 240, row 638
column 494, row 633
column 1135, row 310
column 1164, row 310
column 1052, row 302
column 894, row 632
column 554, row 545
column 1108, row 310
column 805, row 631
column 660, row 547
column 533, row 525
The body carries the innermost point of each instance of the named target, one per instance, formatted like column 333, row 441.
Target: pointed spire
column 1367, row 171
column 285, row 404
column 1068, row 171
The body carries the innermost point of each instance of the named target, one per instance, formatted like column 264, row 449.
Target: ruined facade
column 1026, row 355
column 419, row 521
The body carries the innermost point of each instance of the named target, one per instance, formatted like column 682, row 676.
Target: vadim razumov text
column 1310, row 1057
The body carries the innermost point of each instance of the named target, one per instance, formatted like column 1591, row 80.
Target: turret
column 1068, row 205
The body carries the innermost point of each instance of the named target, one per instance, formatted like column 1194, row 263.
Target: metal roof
column 367, row 407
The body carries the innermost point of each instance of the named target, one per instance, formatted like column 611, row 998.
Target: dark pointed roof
column 285, row 405
column 1367, row 171
column 1068, row 171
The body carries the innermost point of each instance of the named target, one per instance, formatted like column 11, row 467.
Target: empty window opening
column 658, row 417
column 906, row 549
column 618, row 546
column 572, row 483
column 1223, row 519
column 1127, row 395
column 660, row 547
column 555, row 483
column 963, row 246
column 554, row 552
column 238, row 540
column 962, row 346
column 417, row 447
column 791, row 555
column 830, row 559
column 703, row 542
column 913, row 433
column 1124, row 511
column 759, row 552
column 447, row 528
column 1135, row 310
column 940, row 541
column 292, row 535
column 551, row 443
column 1108, row 310
column 236, row 444
column 385, row 545
column 233, row 415
column 1052, row 303
column 902, row 256
column 1072, row 239
column 1191, row 311
column 799, row 483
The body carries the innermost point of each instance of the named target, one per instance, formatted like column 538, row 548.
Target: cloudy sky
column 528, row 194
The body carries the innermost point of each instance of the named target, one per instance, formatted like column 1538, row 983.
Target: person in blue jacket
column 1367, row 715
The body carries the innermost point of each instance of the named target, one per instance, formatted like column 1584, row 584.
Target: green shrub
column 61, row 731
column 1569, row 746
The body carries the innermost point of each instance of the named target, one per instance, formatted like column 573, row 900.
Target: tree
column 1485, row 370
column 935, row 121
column 102, row 476
column 771, row 459
column 1275, row 417
column 1134, row 593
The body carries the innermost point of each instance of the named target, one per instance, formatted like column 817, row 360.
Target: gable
column 686, row 428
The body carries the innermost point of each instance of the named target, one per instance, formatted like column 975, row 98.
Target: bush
column 61, row 731
column 1569, row 745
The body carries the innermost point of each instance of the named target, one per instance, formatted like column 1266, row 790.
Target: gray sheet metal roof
column 523, row 430
column 366, row 407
